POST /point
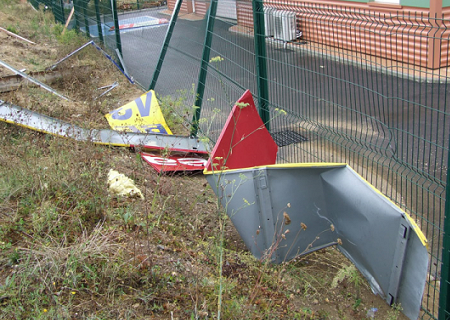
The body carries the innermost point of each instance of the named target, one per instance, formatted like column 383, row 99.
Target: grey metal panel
column 302, row 198
column 265, row 209
column 33, row 120
column 237, row 195
column 412, row 282
column 327, row 205
column 366, row 222
column 255, row 200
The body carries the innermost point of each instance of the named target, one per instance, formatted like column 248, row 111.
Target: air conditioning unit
column 285, row 25
column 269, row 27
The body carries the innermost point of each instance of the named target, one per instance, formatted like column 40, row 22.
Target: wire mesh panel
column 96, row 19
column 126, row 5
column 182, row 62
column 351, row 86
column 229, row 66
column 364, row 87
column 359, row 87
column 59, row 10
column 230, row 72
column 142, row 36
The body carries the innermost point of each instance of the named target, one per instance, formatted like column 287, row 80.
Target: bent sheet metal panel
column 244, row 140
column 327, row 204
column 32, row 120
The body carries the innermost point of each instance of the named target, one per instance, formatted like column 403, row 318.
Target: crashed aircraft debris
column 282, row 211
column 186, row 162
column 141, row 115
column 26, row 118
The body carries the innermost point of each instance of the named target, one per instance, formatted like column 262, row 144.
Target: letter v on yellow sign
column 141, row 115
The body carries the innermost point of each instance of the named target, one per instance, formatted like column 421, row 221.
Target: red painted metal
column 244, row 140
column 172, row 163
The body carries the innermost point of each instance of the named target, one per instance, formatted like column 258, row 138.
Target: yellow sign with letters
column 141, row 115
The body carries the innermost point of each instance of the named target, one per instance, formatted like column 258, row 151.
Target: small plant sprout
column 394, row 313
column 216, row 59
column 242, row 105
column 280, row 111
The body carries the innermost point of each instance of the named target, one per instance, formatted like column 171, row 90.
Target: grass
column 69, row 247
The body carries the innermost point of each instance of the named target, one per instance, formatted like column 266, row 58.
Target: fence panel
column 360, row 87
column 343, row 85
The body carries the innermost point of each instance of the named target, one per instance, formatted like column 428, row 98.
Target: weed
column 11, row 29
column 394, row 313
column 69, row 37
column 352, row 275
column 356, row 304
column 176, row 111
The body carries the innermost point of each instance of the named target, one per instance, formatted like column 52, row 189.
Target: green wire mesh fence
column 361, row 87
column 59, row 8
column 334, row 84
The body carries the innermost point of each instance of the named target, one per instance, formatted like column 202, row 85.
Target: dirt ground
column 84, row 74
column 308, row 295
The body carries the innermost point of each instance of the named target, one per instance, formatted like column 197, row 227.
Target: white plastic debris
column 121, row 185
column 371, row 313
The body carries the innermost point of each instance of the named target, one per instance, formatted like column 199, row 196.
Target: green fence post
column 116, row 25
column 162, row 54
column 63, row 18
column 86, row 20
column 261, row 65
column 99, row 22
column 444, row 301
column 75, row 15
column 204, row 66
column 53, row 6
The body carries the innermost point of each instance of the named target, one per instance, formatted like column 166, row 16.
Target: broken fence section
column 99, row 49
column 33, row 80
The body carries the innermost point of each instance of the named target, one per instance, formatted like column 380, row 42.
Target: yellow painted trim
column 418, row 231
column 25, row 126
column 416, row 228
column 61, row 136
column 285, row 165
